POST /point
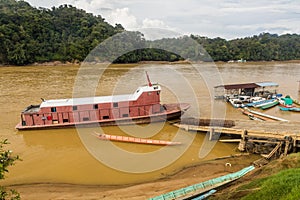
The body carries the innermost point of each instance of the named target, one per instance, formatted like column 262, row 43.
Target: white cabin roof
column 100, row 99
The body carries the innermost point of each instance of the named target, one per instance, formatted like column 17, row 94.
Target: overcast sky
column 219, row 18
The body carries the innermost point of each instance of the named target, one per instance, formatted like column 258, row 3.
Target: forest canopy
column 29, row 35
column 69, row 34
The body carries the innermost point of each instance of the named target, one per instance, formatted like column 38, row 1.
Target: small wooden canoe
column 260, row 115
column 120, row 138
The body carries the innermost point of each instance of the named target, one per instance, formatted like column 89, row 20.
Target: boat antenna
column 149, row 82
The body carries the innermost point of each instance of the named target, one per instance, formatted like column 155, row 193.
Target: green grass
column 279, row 180
column 284, row 185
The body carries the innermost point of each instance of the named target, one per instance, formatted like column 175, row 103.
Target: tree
column 29, row 34
column 6, row 160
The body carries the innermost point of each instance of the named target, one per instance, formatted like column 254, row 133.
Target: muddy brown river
column 75, row 156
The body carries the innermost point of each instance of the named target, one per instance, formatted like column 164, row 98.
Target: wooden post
column 287, row 144
column 245, row 133
column 242, row 144
column 294, row 144
column 211, row 134
column 187, row 128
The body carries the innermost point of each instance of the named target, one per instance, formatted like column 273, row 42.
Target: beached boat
column 143, row 106
column 256, row 118
column 259, row 115
column 193, row 191
column 120, row 138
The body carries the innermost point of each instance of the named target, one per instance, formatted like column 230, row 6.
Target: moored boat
column 255, row 101
column 120, row 138
column 262, row 116
column 237, row 103
column 286, row 102
column 294, row 109
column 262, row 103
column 269, row 105
column 143, row 106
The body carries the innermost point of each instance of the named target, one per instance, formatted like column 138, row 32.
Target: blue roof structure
column 267, row 84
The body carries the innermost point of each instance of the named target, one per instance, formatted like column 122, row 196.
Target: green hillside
column 66, row 33
column 29, row 34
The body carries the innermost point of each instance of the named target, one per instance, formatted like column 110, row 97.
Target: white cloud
column 153, row 23
column 93, row 6
column 109, row 10
column 122, row 16
column 221, row 18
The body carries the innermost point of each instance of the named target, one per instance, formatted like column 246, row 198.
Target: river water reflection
column 59, row 155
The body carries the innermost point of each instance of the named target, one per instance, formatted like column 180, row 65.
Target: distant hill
column 65, row 33
column 29, row 34
column 262, row 47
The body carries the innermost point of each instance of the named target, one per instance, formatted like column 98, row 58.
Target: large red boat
column 143, row 106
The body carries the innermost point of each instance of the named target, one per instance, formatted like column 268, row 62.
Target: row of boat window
column 115, row 105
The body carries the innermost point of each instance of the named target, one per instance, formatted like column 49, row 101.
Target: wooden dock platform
column 256, row 128
column 265, row 137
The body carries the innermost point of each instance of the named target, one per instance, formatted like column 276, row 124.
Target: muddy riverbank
column 185, row 177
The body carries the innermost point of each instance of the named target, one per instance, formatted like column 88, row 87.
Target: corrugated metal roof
column 101, row 99
column 86, row 100
column 267, row 84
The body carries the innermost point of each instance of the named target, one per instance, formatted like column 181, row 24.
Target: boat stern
column 184, row 106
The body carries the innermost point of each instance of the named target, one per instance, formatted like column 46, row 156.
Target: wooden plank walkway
column 267, row 129
column 269, row 138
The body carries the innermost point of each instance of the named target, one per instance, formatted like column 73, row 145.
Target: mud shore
column 187, row 176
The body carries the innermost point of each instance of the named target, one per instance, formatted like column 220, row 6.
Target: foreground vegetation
column 283, row 185
column 278, row 180
column 6, row 160
column 29, row 35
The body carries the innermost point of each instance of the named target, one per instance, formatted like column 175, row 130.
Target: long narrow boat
column 263, row 115
column 269, row 105
column 294, row 109
column 204, row 196
column 254, row 116
column 262, row 103
column 195, row 190
column 120, row 138
column 255, row 101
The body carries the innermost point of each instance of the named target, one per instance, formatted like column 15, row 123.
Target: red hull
column 174, row 111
